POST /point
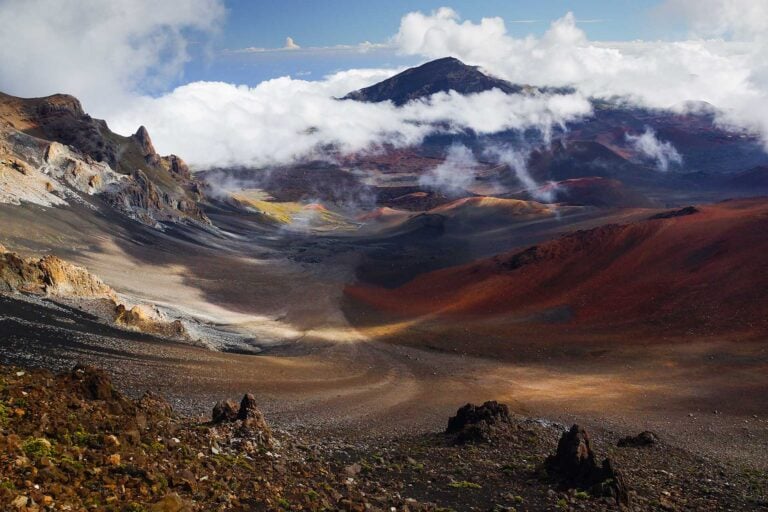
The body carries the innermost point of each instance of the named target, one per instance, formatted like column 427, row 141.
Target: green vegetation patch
column 37, row 447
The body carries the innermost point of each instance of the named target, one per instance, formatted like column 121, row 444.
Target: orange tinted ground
column 707, row 272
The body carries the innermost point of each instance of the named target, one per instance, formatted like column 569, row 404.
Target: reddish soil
column 706, row 272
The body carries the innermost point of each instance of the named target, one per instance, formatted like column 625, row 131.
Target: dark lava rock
column 642, row 439
column 575, row 466
column 224, row 411
column 682, row 212
column 91, row 383
column 248, row 409
column 248, row 417
column 478, row 424
column 253, row 420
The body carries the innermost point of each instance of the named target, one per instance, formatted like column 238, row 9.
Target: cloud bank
column 283, row 120
column 103, row 51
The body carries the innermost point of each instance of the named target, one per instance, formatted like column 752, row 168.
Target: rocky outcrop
column 53, row 277
column 225, row 411
column 90, row 383
column 682, row 212
column 144, row 319
column 145, row 143
column 63, row 153
column 478, row 423
column 246, row 422
column 50, row 276
column 142, row 200
column 574, row 465
column 643, row 439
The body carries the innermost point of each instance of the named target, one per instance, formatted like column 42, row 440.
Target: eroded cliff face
column 50, row 276
column 52, row 153
column 60, row 280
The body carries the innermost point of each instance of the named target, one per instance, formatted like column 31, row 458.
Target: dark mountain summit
column 441, row 75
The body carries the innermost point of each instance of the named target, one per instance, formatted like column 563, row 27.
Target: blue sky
column 313, row 24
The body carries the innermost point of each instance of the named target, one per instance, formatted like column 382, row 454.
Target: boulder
column 91, row 383
column 224, row 411
column 478, row 423
column 574, row 465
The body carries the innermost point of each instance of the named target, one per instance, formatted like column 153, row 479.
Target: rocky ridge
column 52, row 152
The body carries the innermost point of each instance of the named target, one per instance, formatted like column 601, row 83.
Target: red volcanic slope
column 708, row 270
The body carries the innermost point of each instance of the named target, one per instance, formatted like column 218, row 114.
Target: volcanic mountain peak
column 441, row 75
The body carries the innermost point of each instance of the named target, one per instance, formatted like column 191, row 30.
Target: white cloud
column 662, row 153
column 517, row 161
column 364, row 47
column 455, row 174
column 731, row 74
column 290, row 44
column 282, row 120
column 102, row 51
column 739, row 19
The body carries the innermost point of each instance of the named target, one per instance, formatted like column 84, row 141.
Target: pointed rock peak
column 142, row 137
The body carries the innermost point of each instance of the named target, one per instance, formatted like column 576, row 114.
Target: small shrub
column 37, row 447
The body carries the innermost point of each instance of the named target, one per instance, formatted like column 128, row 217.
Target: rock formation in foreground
column 479, row 424
column 74, row 441
column 574, row 465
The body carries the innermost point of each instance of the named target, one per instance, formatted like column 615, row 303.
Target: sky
column 319, row 26
column 236, row 82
